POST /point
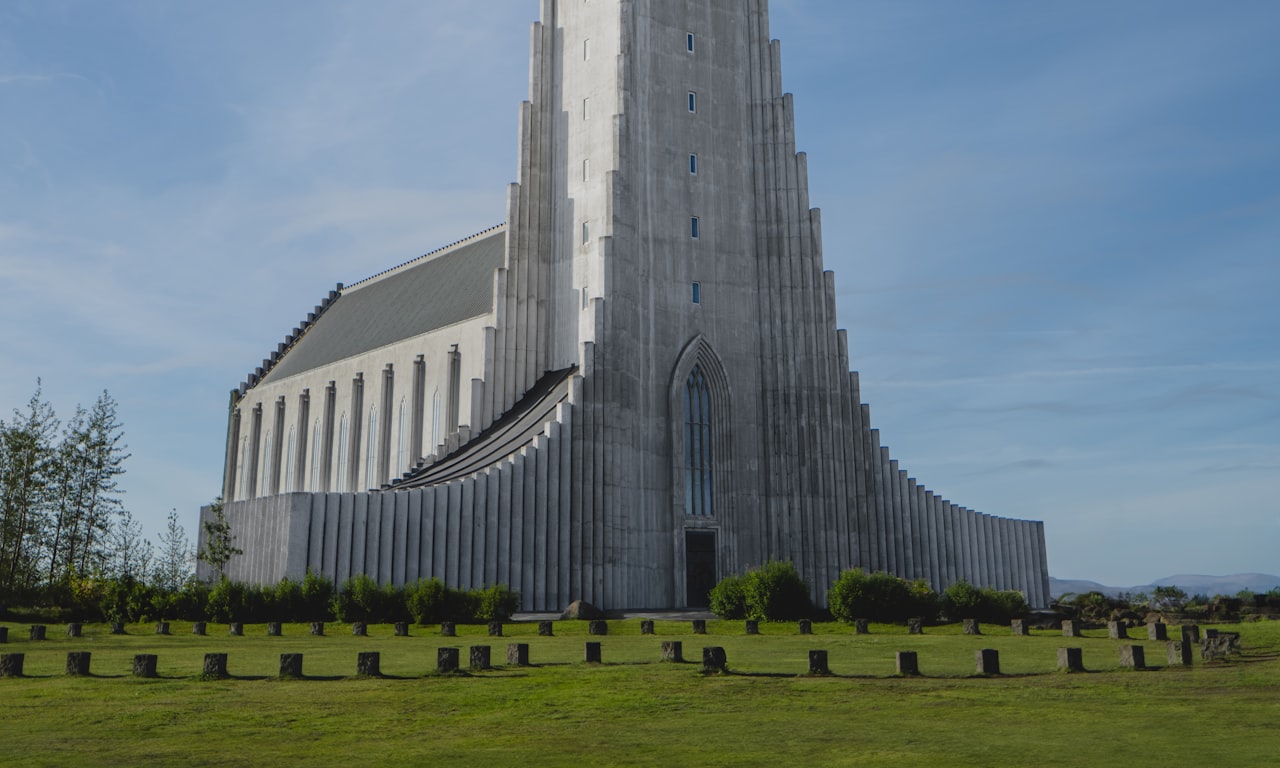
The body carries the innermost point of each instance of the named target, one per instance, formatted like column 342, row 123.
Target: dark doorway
column 700, row 567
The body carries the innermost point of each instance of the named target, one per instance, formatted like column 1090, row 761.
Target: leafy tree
column 27, row 462
column 173, row 567
column 219, row 544
column 129, row 554
column 1168, row 599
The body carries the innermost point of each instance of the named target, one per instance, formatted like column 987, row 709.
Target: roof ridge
column 426, row 255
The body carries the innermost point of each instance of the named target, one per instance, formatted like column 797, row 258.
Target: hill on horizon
column 1192, row 584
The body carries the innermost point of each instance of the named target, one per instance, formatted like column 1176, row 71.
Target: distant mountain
column 1192, row 584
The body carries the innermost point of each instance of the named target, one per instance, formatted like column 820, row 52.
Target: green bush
column 361, row 599
column 430, row 602
column 775, row 592
column 496, row 603
column 235, row 601
column 857, row 594
column 962, row 600
column 727, row 599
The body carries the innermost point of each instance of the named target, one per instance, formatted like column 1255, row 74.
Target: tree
column 219, row 544
column 174, row 565
column 1168, row 599
column 27, row 461
column 130, row 554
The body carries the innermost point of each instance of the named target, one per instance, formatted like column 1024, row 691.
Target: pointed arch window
column 437, row 414
column 697, row 444
column 343, row 435
column 290, row 460
column 371, row 451
column 315, row 457
column 402, row 439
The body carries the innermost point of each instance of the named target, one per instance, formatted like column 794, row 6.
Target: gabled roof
column 439, row 289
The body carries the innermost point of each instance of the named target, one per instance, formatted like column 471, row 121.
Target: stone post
column 714, row 659
column 11, row 664
column 971, row 627
column 291, row 665
column 545, row 629
column 144, row 665
column 199, row 628
column 593, row 653
column 673, row 650
column 402, row 629
column 1116, row 630
column 274, row 629
column 598, row 627
column 1071, row 659
column 818, row 663
column 38, row 632
column 359, row 629
column 806, row 627
column 915, row 626
column 753, row 627
column 235, row 629
column 1179, row 653
column 1132, row 656
column 481, row 657
column 215, row 666
column 518, row 654
column 495, row 629
column 4, row 635
column 317, row 628
column 1019, row 627
column 1157, row 631
column 117, row 627
column 1191, row 634
column 861, row 627
column 78, row 663
column 699, row 626
column 646, row 627
column 447, row 660
column 1070, row 628
column 988, row 661
column 908, row 663
column 162, row 627
column 75, row 629
column 369, row 664
column 448, row 629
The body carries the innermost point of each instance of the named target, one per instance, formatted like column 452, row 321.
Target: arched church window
column 315, row 457
column 268, row 471
column 290, row 459
column 371, row 451
column 437, row 414
column 402, row 439
column 342, row 453
column 240, row 470
column 697, row 444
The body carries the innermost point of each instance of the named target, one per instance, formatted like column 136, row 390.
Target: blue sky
column 1055, row 229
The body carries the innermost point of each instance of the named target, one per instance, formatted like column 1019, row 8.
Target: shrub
column 880, row 597
column 317, row 598
column 775, row 592
column 962, row 600
column 234, row 601
column 496, row 603
column 727, row 600
column 430, row 602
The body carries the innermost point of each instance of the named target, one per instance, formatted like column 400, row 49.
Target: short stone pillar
column 117, row 627
column 4, row 635
column 1157, row 631
column 199, row 628
column 75, row 629
column 593, row 655
column 1071, row 659
column 806, row 627
column 1219, row 645
column 699, row 626
column 517, row 654
column 714, row 659
column 988, row 661
column 861, row 627
column 235, row 629
column 1211, row 634
column 1132, row 656
column 144, row 665
column 448, row 629
column 162, row 627
column 1179, row 653
column 38, row 632
column 1191, row 634
column 908, row 663
column 495, row 629
column 369, row 664
column 481, row 657
column 915, row 626
column 971, row 627
column 359, row 629
column 215, row 666
column 78, row 662
column 1019, row 627
column 291, row 665
column 402, row 629
column 1117, row 631
column 818, row 663
column 447, row 660
column 274, row 629
column 673, row 650
column 1070, row 628
column 753, row 627
column 11, row 664
column 545, row 629
column 646, row 627
column 317, row 629
column 598, row 627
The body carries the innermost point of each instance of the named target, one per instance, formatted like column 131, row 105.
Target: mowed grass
column 632, row 710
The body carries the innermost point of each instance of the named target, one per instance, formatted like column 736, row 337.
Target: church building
column 631, row 388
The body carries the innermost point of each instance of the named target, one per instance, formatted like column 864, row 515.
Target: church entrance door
column 700, row 567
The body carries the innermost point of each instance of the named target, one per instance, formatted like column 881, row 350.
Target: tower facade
column 656, row 393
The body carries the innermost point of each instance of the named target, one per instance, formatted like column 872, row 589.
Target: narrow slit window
column 693, row 164
column 586, row 233
column 586, row 49
column 586, row 169
column 694, row 226
column 693, row 101
column 586, row 108
column 689, row 42
column 697, row 293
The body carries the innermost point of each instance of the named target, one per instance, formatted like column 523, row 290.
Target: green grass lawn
column 632, row 710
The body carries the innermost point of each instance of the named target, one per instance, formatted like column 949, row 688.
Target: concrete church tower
column 646, row 389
